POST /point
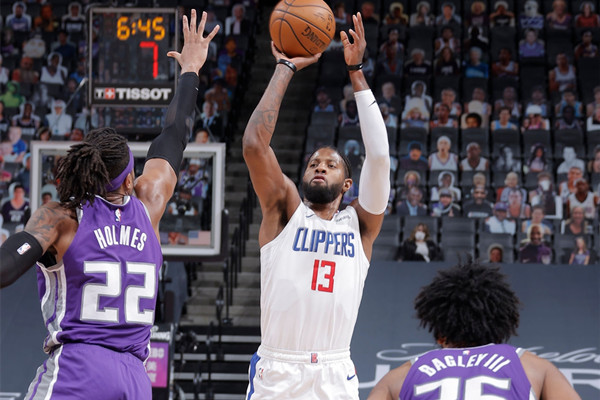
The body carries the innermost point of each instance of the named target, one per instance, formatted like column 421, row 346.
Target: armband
column 374, row 188
column 18, row 253
column 288, row 64
column 173, row 139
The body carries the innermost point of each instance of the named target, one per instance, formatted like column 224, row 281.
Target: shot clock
column 128, row 64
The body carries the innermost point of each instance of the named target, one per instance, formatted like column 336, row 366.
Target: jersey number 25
column 473, row 388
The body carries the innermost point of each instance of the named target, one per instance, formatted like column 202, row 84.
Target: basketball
column 301, row 28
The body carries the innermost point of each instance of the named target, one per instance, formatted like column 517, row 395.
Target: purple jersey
column 493, row 370
column 104, row 291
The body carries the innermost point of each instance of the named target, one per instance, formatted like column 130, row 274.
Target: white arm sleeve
column 374, row 189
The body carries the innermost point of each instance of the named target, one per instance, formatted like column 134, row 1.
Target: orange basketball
column 301, row 28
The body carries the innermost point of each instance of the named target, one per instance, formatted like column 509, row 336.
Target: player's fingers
column 202, row 22
column 355, row 36
column 193, row 26
column 213, row 33
column 186, row 28
column 276, row 53
column 359, row 41
column 358, row 25
column 344, row 38
column 174, row 54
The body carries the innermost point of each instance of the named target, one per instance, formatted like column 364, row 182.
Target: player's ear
column 347, row 185
column 129, row 182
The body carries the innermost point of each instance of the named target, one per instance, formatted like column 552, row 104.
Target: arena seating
column 481, row 90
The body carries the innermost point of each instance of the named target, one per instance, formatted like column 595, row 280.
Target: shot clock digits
column 130, row 66
column 151, row 27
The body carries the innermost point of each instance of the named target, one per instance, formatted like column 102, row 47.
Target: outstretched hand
column 195, row 45
column 299, row 62
column 353, row 52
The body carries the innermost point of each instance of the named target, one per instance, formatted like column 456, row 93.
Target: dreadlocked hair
column 90, row 165
column 469, row 305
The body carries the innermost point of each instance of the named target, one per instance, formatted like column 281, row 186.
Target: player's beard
column 321, row 194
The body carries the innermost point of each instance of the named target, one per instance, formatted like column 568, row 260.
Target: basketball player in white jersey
column 314, row 258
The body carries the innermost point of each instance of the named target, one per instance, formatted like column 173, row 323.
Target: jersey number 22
column 90, row 298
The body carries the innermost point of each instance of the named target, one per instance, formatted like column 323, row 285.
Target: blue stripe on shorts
column 255, row 359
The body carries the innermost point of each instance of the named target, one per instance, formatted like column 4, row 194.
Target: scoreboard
column 128, row 63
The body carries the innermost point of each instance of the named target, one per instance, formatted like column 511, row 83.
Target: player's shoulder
column 536, row 369
column 530, row 360
column 546, row 379
column 55, row 211
column 51, row 218
column 388, row 388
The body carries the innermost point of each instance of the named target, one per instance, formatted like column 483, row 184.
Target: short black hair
column 476, row 116
column 469, row 305
column 347, row 165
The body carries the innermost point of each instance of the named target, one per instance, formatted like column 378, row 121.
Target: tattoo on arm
column 43, row 225
column 270, row 119
column 266, row 113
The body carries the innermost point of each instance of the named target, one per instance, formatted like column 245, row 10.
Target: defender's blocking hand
column 195, row 45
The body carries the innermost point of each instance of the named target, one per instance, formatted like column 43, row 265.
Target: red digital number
column 327, row 277
column 154, row 47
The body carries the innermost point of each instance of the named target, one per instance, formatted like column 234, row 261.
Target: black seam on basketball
column 296, row 36
column 305, row 20
column 279, row 34
column 303, row 5
column 281, row 23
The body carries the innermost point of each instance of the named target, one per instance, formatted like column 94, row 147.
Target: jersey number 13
column 323, row 282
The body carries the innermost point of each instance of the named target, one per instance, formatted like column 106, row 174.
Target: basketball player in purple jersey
column 471, row 311
column 98, row 253
column 314, row 258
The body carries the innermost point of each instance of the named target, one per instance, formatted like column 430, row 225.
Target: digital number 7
column 318, row 282
column 154, row 47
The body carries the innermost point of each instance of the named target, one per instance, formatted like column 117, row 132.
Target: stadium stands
column 418, row 86
column 536, row 75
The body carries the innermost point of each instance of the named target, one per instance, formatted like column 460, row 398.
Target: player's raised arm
column 374, row 189
column 156, row 184
column 277, row 194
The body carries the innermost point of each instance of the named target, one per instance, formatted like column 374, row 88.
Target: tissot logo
column 109, row 93
column 117, row 93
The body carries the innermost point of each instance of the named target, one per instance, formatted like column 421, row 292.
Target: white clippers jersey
column 312, row 279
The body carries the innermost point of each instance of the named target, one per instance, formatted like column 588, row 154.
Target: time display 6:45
column 151, row 28
column 129, row 66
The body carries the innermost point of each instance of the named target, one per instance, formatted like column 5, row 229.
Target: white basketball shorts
column 277, row 374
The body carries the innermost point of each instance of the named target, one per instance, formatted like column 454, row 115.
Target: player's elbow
column 8, row 275
column 251, row 145
column 6, row 279
column 380, row 160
